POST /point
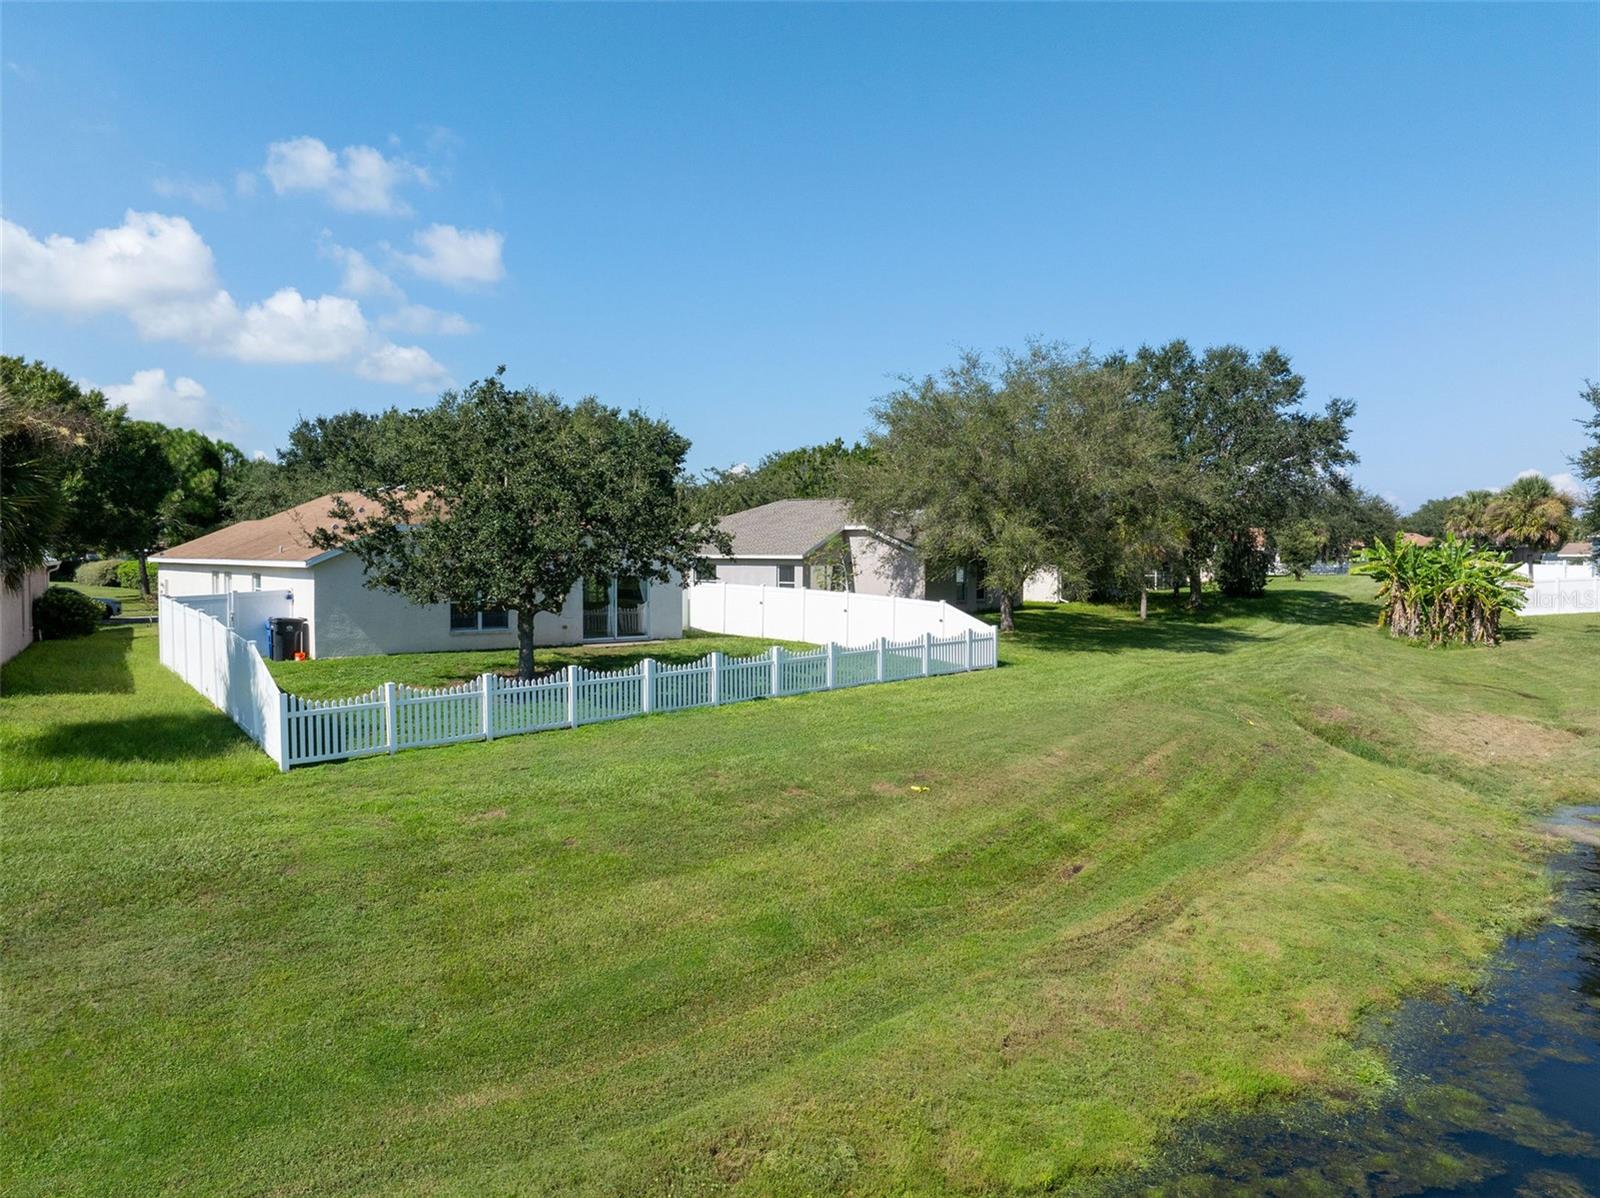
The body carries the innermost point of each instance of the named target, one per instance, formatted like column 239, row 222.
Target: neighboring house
column 816, row 543
column 325, row 587
column 16, row 613
column 1576, row 551
column 1416, row 538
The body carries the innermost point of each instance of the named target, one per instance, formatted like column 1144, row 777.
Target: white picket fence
column 292, row 730
column 800, row 614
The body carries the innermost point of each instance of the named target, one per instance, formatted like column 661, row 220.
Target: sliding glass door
column 615, row 608
column 630, row 605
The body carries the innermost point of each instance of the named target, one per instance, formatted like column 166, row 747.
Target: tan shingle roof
column 1576, row 549
column 284, row 537
column 786, row 528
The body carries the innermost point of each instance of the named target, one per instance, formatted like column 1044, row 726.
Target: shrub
column 1449, row 592
column 128, row 575
column 62, row 612
column 100, row 574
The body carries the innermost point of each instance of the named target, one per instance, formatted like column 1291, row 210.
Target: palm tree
column 1469, row 516
column 36, row 444
column 1531, row 514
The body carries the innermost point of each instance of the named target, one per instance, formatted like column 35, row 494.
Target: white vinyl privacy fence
column 1561, row 588
column 800, row 614
column 228, row 670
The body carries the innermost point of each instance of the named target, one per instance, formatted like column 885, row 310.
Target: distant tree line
column 1109, row 470
column 1529, row 514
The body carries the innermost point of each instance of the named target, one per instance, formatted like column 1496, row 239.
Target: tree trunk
column 1144, row 603
column 1007, row 623
column 525, row 618
column 1195, row 585
column 144, row 573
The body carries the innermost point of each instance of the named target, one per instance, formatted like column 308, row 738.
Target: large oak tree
column 1036, row 461
column 507, row 499
column 1251, row 455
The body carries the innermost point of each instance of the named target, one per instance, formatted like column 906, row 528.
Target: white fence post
column 647, row 685
column 966, row 652
column 489, row 688
column 572, row 696
column 390, row 733
column 927, row 654
column 716, row 678
column 833, row 659
column 283, row 732
column 883, row 649
column 777, row 672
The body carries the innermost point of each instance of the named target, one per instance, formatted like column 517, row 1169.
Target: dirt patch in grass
column 1485, row 738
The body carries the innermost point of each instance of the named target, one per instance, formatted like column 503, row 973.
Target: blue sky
column 749, row 220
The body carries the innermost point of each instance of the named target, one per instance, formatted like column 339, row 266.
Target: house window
column 255, row 582
column 786, row 576
column 961, row 584
column 468, row 617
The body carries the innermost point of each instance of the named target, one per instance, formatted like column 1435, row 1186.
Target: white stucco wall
column 758, row 571
column 348, row 619
column 1042, row 586
column 352, row 620
column 16, row 613
column 885, row 569
column 178, row 579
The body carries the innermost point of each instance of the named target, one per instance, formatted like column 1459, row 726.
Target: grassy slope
column 977, row 933
column 340, row 677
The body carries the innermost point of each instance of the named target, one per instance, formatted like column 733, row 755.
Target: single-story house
column 1576, row 551
column 816, row 543
column 325, row 587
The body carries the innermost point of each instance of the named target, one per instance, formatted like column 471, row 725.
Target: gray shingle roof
column 786, row 528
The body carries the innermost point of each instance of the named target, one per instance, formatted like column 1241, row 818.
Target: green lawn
column 133, row 603
column 982, row 933
column 340, row 677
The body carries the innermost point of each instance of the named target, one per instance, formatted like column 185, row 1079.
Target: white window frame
column 255, row 582
column 794, row 576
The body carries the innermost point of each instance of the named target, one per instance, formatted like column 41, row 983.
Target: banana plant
column 1450, row 592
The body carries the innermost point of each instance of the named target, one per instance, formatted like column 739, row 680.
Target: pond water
column 1498, row 1090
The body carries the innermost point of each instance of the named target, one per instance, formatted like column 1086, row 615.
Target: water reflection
column 1499, row 1090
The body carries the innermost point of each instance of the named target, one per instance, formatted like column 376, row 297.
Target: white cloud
column 159, row 273
column 355, row 179
column 407, row 365
column 182, row 403
column 420, row 320
column 206, row 194
column 1569, row 484
column 458, row 257
column 360, row 276
column 148, row 258
column 287, row 327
